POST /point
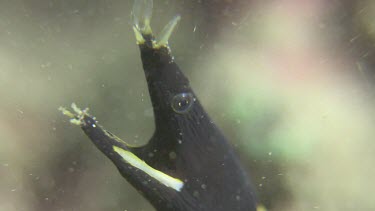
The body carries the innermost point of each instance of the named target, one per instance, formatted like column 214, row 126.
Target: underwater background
column 291, row 84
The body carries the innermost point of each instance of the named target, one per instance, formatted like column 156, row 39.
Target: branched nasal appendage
column 77, row 118
column 142, row 13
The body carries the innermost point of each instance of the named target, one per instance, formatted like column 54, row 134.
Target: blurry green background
column 290, row 82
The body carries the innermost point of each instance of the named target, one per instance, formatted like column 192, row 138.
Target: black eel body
column 186, row 145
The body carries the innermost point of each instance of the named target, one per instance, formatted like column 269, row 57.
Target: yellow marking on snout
column 163, row 178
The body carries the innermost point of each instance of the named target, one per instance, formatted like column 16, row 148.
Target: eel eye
column 182, row 103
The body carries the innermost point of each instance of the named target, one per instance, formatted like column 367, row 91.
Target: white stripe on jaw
column 163, row 178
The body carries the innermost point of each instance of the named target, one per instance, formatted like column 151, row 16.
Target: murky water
column 289, row 82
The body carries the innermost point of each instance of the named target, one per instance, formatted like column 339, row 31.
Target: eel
column 188, row 164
